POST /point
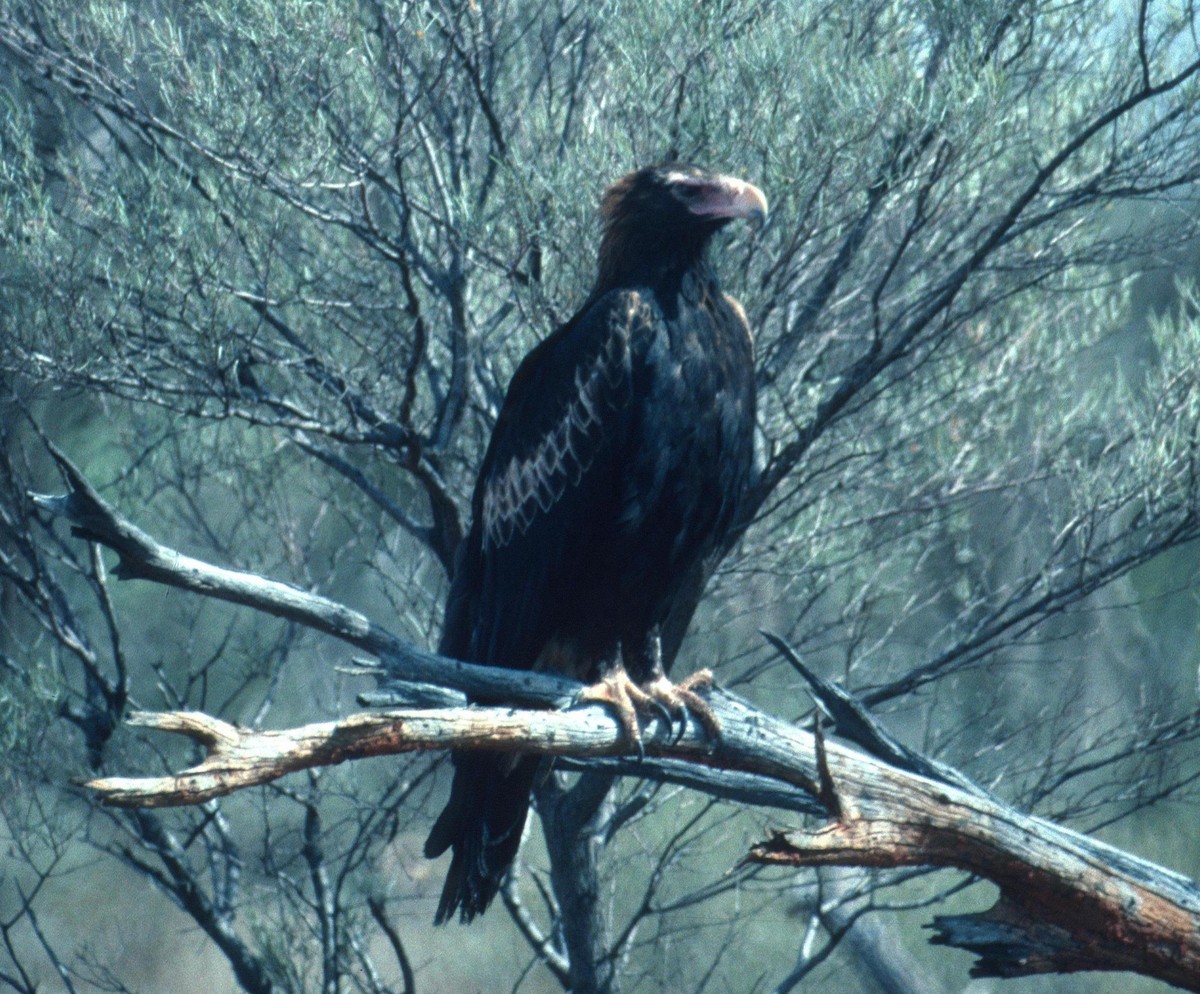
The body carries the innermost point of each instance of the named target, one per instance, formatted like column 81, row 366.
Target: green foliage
column 266, row 269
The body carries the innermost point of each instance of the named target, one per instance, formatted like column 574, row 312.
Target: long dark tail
column 482, row 822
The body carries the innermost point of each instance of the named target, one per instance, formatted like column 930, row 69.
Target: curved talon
column 618, row 691
column 659, row 697
column 665, row 713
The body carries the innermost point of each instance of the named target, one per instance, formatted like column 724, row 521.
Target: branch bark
column 142, row 557
column 1067, row 902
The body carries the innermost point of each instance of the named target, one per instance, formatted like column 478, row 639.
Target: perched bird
column 616, row 466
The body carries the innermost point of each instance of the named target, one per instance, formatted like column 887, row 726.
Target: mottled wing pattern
column 547, row 482
column 543, row 492
column 525, row 482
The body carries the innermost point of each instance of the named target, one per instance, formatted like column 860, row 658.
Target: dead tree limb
column 1067, row 902
column 142, row 557
column 242, row 757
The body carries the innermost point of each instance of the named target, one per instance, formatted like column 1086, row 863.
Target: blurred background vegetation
column 265, row 270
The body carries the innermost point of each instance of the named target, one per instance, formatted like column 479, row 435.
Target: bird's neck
column 658, row 261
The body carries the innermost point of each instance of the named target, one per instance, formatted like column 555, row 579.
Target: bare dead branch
column 1067, row 902
column 1116, row 911
column 142, row 557
column 241, row 758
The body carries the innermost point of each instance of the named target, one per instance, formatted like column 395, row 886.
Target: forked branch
column 1067, row 902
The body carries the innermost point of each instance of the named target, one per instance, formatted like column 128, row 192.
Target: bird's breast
column 694, row 444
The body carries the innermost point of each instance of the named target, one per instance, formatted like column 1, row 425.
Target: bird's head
column 664, row 215
column 677, row 195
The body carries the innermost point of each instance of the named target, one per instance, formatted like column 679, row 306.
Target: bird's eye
column 690, row 192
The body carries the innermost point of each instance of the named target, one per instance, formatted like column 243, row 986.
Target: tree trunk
column 570, row 820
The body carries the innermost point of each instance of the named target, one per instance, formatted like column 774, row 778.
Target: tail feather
column 482, row 824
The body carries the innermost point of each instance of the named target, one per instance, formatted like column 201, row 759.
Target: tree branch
column 142, row 557
column 1067, row 902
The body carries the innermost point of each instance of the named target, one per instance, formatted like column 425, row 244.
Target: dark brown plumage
column 616, row 466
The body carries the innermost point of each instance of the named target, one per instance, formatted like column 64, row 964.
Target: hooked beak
column 731, row 198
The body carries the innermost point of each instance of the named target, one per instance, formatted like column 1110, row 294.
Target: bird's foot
column 670, row 701
column 679, row 698
column 618, row 690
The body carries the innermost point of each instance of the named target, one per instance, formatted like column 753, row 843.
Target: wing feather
column 550, row 483
column 542, row 449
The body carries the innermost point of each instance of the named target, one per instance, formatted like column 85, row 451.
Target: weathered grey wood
column 1067, row 902
column 1108, row 910
column 142, row 557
